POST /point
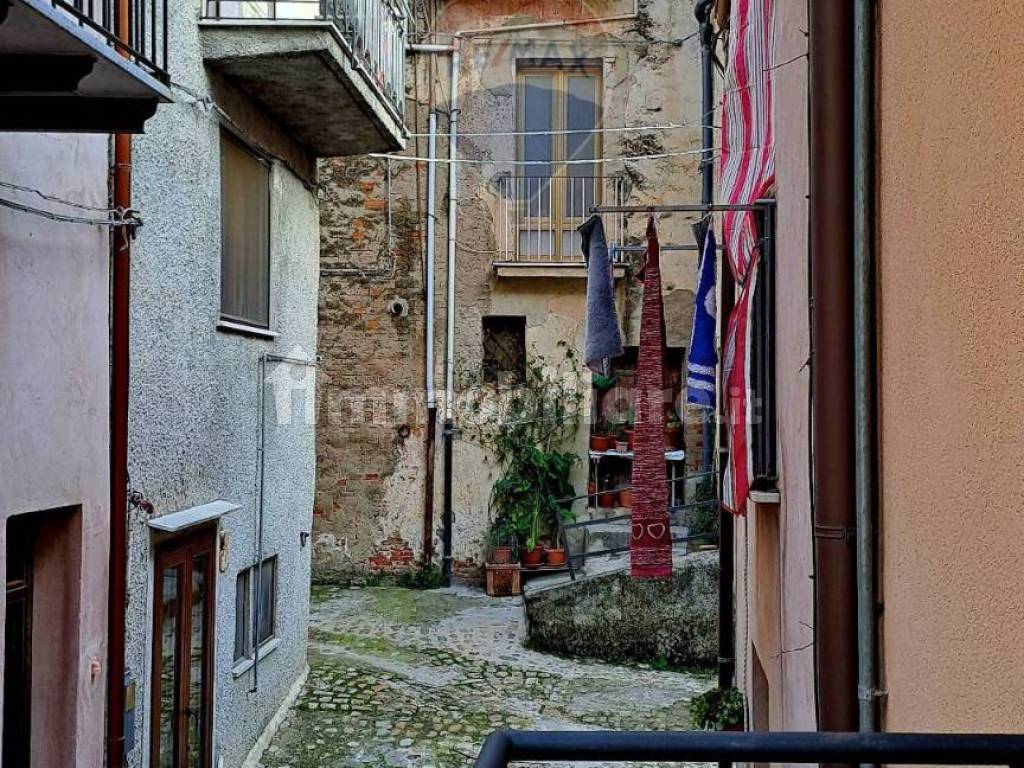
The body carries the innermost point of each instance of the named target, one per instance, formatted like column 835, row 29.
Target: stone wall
column 614, row 617
column 371, row 441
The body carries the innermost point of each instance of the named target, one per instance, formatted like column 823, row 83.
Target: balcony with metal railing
column 538, row 218
column 82, row 65
column 331, row 71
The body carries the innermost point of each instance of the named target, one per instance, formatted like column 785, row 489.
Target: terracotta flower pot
column 532, row 558
column 626, row 499
column 606, row 499
column 501, row 555
column 673, row 438
column 622, row 446
column 599, row 442
column 555, row 557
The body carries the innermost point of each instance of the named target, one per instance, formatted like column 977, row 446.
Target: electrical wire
column 117, row 217
column 594, row 161
column 52, row 198
column 623, row 129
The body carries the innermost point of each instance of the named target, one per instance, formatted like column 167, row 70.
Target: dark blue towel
column 603, row 339
column 702, row 357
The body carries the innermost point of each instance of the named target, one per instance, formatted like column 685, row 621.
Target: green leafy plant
column 425, row 577
column 602, row 382
column 717, row 709
column 528, row 430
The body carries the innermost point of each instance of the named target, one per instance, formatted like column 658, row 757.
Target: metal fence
column 147, row 29
column 375, row 32
column 504, row 747
column 539, row 215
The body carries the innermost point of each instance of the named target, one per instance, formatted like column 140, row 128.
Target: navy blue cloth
column 604, row 339
column 702, row 356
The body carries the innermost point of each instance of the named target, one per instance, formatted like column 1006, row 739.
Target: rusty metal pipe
column 832, row 462
column 119, row 377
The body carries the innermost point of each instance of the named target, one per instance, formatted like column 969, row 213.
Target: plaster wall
column 775, row 598
column 54, row 405
column 195, row 398
column 370, row 487
column 950, row 328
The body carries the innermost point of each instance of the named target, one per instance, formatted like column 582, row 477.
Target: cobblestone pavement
column 402, row 678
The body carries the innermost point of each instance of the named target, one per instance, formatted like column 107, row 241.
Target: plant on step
column 424, row 577
column 717, row 710
column 529, row 430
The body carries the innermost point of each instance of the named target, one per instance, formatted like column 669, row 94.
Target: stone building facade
column 371, row 444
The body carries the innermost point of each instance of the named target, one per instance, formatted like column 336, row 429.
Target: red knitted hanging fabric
column 650, row 545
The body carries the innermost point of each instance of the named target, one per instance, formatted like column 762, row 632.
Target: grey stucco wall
column 195, row 405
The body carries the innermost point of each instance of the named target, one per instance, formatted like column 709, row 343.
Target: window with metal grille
column 504, row 345
column 245, row 234
column 762, row 358
column 245, row 599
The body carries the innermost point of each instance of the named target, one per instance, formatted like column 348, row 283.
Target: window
column 245, row 598
column 555, row 195
column 762, row 359
column 504, row 349
column 245, row 235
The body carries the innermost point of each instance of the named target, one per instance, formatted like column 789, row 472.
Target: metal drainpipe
column 707, row 188
column 120, row 243
column 428, row 483
column 449, row 427
column 832, row 428
column 864, row 357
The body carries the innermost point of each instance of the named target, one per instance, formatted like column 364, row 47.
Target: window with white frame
column 247, row 582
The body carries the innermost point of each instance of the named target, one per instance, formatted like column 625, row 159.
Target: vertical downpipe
column 428, row 482
column 449, row 426
column 119, row 380
column 832, row 427
column 864, row 357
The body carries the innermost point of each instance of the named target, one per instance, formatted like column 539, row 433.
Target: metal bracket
column 835, row 532
column 871, row 694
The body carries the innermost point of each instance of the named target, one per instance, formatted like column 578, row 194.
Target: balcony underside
column 573, row 270
column 300, row 73
column 58, row 75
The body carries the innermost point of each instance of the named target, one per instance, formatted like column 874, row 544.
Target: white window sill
column 230, row 326
column 243, row 666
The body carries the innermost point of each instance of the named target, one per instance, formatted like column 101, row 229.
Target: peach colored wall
column 54, row 405
column 951, row 281
column 775, row 604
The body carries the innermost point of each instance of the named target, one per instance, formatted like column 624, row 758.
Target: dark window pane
column 171, row 578
column 538, row 111
column 196, row 681
column 243, row 616
column 268, row 600
column 245, row 235
column 504, row 346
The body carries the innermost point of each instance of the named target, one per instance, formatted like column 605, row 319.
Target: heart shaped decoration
column 656, row 530
column 638, row 530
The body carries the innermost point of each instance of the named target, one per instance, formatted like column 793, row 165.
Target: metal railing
column 373, row 31
column 504, row 747
column 539, row 215
column 147, row 29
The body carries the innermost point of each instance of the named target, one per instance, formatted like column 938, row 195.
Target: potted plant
column 606, row 499
column 621, row 439
column 718, row 710
column 600, row 440
column 502, row 542
column 556, row 556
column 673, row 432
column 626, row 498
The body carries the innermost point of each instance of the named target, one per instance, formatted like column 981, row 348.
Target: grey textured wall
column 194, row 404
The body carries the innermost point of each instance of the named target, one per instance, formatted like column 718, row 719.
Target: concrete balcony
column 332, row 72
column 63, row 66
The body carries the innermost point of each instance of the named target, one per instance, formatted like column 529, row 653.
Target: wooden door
column 182, row 679
column 17, row 672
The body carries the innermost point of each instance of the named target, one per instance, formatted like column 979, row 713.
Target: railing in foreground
column 147, row 29
column 504, row 747
column 375, row 30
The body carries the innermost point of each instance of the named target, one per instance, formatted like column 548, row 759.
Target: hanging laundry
column 701, row 357
column 746, row 173
column 603, row 339
column 650, row 542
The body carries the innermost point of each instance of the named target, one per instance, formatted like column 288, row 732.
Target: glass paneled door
column 182, row 705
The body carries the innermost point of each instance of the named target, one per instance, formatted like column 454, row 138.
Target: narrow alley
column 419, row 678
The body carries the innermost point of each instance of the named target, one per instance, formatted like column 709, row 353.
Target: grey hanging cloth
column 603, row 339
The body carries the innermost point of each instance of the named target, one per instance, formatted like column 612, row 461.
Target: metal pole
column 449, row 427
column 863, row 357
column 707, row 186
column 431, row 436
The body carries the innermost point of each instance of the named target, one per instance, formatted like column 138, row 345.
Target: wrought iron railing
column 147, row 29
column 504, row 747
column 539, row 215
column 374, row 31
